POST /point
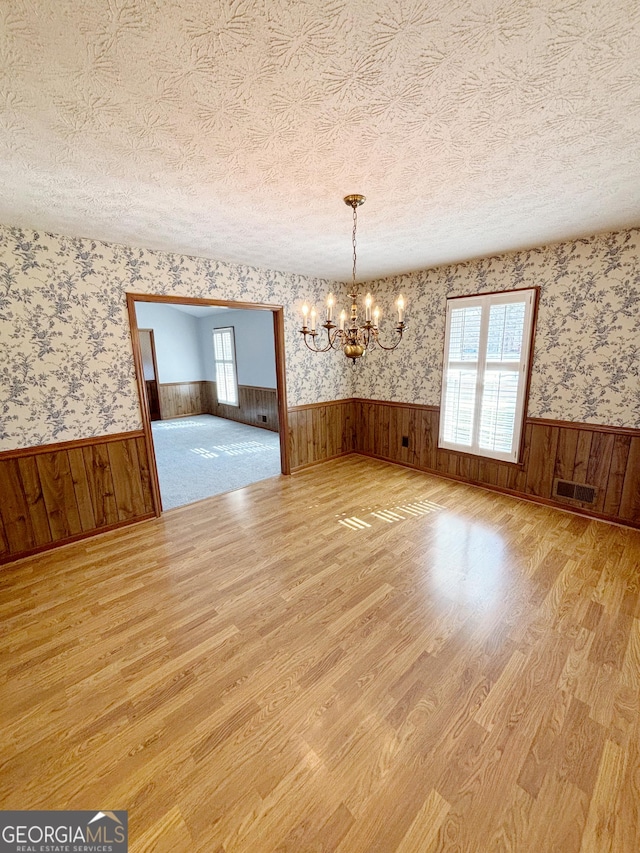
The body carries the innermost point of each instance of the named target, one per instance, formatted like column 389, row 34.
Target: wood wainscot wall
column 320, row 431
column 606, row 458
column 181, row 399
column 57, row 493
column 257, row 406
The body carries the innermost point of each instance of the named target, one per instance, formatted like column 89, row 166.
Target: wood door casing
column 150, row 368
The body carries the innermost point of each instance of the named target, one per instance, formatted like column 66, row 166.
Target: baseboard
column 322, row 461
column 59, row 543
column 178, row 417
column 508, row 492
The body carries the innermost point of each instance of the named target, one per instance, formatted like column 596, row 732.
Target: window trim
column 486, row 299
column 234, row 362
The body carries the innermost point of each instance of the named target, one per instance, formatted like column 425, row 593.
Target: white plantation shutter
column 462, row 374
column 484, row 378
column 224, row 354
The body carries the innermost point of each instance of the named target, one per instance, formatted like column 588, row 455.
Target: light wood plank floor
column 357, row 658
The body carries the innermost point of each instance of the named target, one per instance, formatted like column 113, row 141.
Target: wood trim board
column 279, row 348
column 68, row 445
column 143, row 403
column 630, row 431
column 310, row 406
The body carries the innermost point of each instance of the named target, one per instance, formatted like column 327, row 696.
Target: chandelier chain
column 353, row 240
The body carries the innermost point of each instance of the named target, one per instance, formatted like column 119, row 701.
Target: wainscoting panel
column 320, row 431
column 630, row 497
column 606, row 458
column 181, row 399
column 256, row 404
column 57, row 493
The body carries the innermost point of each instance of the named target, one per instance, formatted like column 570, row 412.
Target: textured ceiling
column 232, row 128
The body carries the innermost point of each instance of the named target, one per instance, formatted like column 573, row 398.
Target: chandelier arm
column 331, row 340
column 335, row 340
column 315, row 348
column 389, row 349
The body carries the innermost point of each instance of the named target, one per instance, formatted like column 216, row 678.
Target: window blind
column 224, row 356
column 487, row 348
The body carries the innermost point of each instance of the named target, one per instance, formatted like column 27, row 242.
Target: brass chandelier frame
column 354, row 339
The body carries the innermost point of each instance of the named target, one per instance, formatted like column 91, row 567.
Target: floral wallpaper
column 66, row 362
column 586, row 364
column 231, row 129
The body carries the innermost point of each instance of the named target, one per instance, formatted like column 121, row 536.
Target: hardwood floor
column 357, row 658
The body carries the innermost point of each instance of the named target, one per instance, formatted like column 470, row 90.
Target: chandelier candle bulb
column 343, row 319
column 376, row 316
column 368, row 300
column 305, row 314
column 400, row 304
column 330, row 304
column 313, row 319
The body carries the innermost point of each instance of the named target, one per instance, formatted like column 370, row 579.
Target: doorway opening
column 150, row 371
column 211, row 384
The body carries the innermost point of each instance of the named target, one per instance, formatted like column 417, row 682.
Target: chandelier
column 350, row 336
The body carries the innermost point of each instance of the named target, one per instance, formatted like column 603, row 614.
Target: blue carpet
column 203, row 455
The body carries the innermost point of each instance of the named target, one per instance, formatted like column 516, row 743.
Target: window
column 224, row 353
column 486, row 367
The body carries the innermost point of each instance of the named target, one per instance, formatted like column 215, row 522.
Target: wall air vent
column 574, row 491
column 564, row 489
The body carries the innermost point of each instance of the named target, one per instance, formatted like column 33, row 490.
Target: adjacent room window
column 224, row 353
column 485, row 373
